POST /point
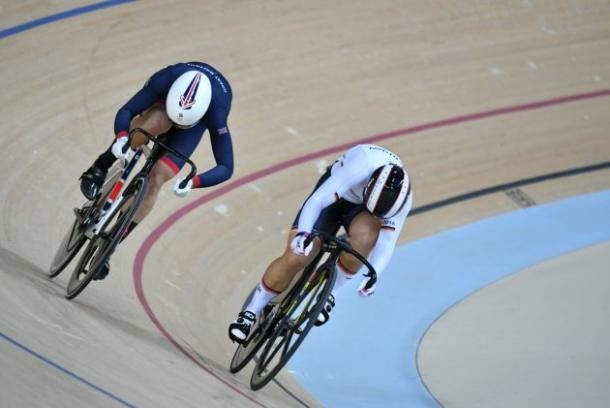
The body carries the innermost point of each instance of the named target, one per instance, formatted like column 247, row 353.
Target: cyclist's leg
column 281, row 271
column 184, row 141
column 159, row 174
column 275, row 280
column 362, row 231
column 153, row 120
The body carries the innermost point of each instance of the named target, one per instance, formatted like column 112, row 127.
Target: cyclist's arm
column 222, row 147
column 388, row 235
column 345, row 173
column 154, row 89
column 382, row 253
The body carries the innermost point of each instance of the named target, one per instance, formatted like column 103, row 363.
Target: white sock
column 262, row 295
column 343, row 275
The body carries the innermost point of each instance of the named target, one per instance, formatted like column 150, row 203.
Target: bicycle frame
column 334, row 246
column 312, row 279
column 115, row 197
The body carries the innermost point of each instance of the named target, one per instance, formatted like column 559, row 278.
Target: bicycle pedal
column 266, row 312
column 81, row 212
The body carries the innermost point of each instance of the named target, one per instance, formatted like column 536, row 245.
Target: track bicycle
column 284, row 323
column 104, row 221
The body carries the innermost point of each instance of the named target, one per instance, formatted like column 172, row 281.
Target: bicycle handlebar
column 331, row 243
column 152, row 138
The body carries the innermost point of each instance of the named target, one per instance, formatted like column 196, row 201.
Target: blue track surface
column 367, row 356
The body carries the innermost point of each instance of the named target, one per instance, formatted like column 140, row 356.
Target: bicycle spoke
column 287, row 343
column 266, row 358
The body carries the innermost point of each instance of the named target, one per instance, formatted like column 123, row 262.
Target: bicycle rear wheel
column 297, row 314
column 102, row 245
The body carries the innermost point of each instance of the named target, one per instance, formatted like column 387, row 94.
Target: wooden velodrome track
column 509, row 90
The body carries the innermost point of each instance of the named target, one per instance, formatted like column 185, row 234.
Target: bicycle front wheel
column 102, row 246
column 75, row 236
column 247, row 350
column 297, row 315
column 69, row 247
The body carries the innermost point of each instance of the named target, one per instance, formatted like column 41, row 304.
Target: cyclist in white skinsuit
column 368, row 192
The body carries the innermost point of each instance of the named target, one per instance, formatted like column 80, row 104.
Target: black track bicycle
column 285, row 322
column 104, row 221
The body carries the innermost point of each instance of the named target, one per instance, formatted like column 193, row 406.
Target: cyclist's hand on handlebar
column 182, row 192
column 119, row 148
column 366, row 287
column 298, row 244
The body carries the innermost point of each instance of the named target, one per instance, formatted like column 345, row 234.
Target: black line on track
column 506, row 186
column 287, row 391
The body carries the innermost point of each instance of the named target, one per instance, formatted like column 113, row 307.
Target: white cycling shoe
column 240, row 328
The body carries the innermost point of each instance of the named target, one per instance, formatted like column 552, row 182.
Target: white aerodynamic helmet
column 387, row 191
column 188, row 99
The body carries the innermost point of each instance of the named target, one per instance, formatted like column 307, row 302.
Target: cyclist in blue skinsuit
column 180, row 101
